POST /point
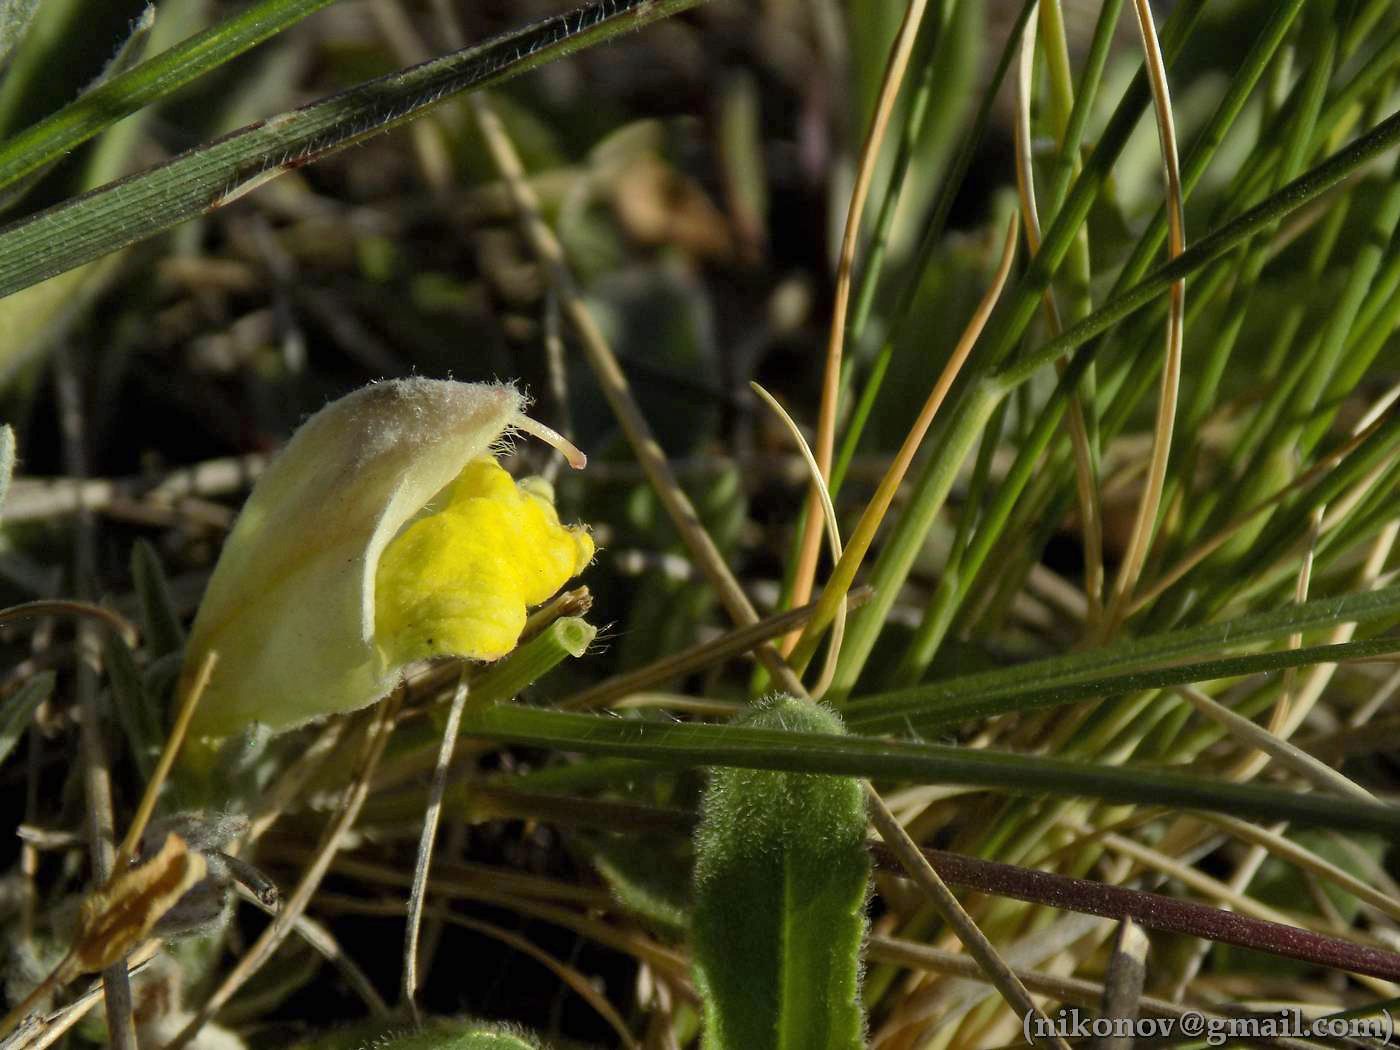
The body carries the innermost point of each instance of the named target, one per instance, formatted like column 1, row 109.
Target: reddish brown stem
column 1156, row 911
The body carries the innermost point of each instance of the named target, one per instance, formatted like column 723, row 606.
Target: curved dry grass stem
column 570, row 976
column 805, row 573
column 431, row 817
column 323, row 942
column 1086, row 483
column 833, row 537
column 43, row 609
column 1150, row 502
column 843, row 575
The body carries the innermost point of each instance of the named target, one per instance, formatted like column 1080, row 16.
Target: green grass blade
column 160, row 619
column 212, row 175
column 1307, row 187
column 688, row 744
column 938, row 705
column 17, row 711
column 781, row 876
column 52, row 138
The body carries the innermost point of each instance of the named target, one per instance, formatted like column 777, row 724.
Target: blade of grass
column 972, row 410
column 55, row 136
column 696, row 744
column 939, row 706
column 18, row 708
column 212, row 175
column 1307, row 187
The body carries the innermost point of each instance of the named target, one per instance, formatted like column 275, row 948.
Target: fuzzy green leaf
column 781, row 876
column 438, row 1035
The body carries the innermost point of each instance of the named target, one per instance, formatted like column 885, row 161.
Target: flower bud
column 383, row 533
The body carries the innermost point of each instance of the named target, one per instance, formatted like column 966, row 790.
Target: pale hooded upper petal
column 291, row 605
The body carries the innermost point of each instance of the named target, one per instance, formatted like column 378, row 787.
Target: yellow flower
column 458, row 580
column 384, row 533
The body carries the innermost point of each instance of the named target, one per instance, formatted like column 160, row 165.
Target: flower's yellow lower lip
column 458, row 580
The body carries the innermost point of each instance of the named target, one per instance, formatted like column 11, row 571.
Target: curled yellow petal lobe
column 458, row 580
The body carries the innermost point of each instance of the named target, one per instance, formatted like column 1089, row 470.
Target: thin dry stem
column 1145, row 522
column 1209, row 546
column 843, row 575
column 1065, row 989
column 833, row 537
column 1001, row 976
column 97, row 773
column 167, row 759
column 805, row 572
column 674, row 965
column 616, row 389
column 325, row 944
column 431, row 817
column 1288, row 850
column 1278, row 717
column 294, row 778
column 698, row 657
column 1258, row 738
column 570, row 976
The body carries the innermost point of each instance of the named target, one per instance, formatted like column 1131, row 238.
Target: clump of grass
column 1119, row 517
